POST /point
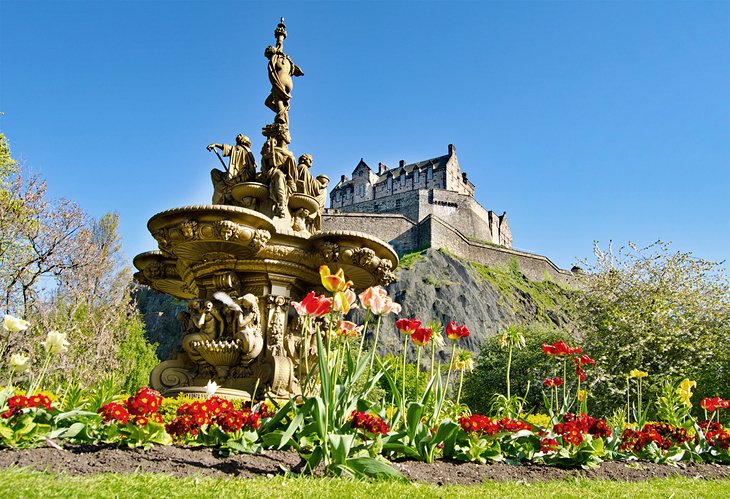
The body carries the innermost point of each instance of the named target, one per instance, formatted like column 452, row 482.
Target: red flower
column 581, row 373
column 550, row 382
column 454, row 332
column 313, row 305
column 407, row 326
column 713, row 404
column 114, row 412
column 143, row 403
column 583, row 360
column 548, row 445
column 369, row 423
column 421, row 336
column 560, row 349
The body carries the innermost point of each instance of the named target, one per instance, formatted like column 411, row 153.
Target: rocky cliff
column 434, row 285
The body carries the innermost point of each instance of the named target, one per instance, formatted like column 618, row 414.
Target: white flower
column 56, row 342
column 211, row 388
column 19, row 363
column 14, row 324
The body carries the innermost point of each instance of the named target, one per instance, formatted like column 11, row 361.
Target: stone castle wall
column 434, row 232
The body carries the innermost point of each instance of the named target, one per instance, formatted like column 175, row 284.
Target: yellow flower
column 581, row 395
column 333, row 282
column 463, row 361
column 638, row 374
column 685, row 391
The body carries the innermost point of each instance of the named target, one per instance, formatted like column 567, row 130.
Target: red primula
column 143, row 403
column 114, row 412
column 369, row 423
column 17, row 403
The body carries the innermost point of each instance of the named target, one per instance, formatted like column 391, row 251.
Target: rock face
column 437, row 286
column 434, row 286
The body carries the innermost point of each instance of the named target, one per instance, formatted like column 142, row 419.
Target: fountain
column 240, row 261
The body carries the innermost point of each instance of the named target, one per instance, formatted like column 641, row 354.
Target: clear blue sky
column 583, row 120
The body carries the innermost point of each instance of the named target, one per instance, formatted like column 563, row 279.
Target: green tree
column 661, row 311
column 63, row 270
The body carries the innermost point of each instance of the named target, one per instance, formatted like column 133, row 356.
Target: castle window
column 403, row 179
column 397, row 204
column 429, row 174
column 416, row 176
column 390, row 183
column 361, row 191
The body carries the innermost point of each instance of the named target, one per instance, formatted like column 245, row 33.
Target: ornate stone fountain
column 241, row 260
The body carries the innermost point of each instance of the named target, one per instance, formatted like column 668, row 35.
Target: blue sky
column 583, row 120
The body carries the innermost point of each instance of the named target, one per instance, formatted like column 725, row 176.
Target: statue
column 278, row 166
column 281, row 69
column 241, row 168
column 247, row 327
column 203, row 323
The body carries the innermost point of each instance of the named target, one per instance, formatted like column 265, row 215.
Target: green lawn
column 23, row 483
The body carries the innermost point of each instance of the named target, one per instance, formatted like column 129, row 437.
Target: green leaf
column 374, row 468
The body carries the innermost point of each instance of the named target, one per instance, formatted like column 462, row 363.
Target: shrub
column 528, row 367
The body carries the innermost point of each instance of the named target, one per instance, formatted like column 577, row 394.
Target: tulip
column 56, row 342
column 19, row 363
column 348, row 329
column 312, row 305
column 15, row 325
column 408, row 326
column 560, row 349
column 421, row 336
column 454, row 332
column 583, row 360
column 333, row 282
column 343, row 301
column 376, row 300
column 211, row 388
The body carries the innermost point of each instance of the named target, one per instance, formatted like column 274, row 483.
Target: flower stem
column 461, row 382
column 375, row 346
column 418, row 369
column 405, row 351
column 565, row 384
column 509, row 366
column 448, row 376
column 362, row 338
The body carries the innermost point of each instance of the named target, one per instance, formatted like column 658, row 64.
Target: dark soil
column 185, row 462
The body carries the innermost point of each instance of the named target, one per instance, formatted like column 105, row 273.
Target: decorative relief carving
column 259, row 240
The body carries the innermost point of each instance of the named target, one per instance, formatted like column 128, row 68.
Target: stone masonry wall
column 406, row 237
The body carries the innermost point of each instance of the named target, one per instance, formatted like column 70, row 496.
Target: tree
column 63, row 270
column 664, row 312
column 529, row 366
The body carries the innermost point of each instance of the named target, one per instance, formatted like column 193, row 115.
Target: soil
column 186, row 462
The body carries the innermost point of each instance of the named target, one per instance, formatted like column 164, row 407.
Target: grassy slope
column 23, row 483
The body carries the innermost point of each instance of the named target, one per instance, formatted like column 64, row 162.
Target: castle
column 429, row 203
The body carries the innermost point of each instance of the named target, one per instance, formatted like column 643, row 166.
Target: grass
column 407, row 260
column 24, row 483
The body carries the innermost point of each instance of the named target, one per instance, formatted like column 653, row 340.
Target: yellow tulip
column 685, row 391
column 333, row 282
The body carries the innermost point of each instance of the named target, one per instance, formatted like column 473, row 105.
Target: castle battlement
column 408, row 195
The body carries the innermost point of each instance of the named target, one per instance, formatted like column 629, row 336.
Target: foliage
column 527, row 368
column 64, row 270
column 661, row 311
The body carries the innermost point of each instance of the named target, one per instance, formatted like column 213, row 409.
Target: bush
column 664, row 312
column 529, row 366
